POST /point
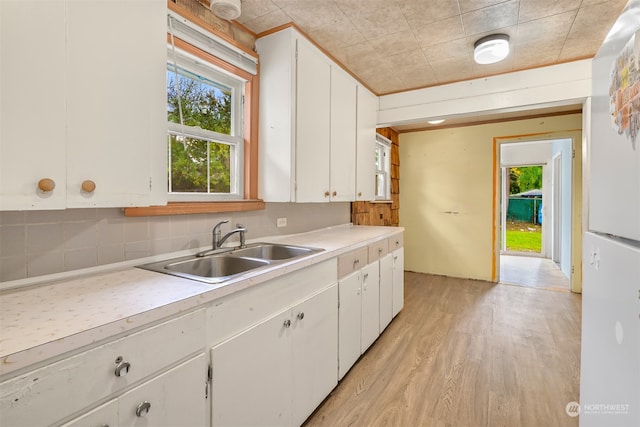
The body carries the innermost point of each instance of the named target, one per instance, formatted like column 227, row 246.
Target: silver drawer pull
column 143, row 409
column 301, row 315
column 122, row 367
column 287, row 323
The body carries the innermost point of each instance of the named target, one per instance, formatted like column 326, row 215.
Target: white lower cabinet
column 358, row 315
column 398, row 280
column 278, row 371
column 138, row 362
column 386, row 291
column 174, row 398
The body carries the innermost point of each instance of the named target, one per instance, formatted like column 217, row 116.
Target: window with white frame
column 205, row 122
column 383, row 168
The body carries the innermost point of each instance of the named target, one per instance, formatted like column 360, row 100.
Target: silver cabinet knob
column 143, row 409
column 379, row 250
column 287, row 323
column 122, row 368
column 301, row 315
column 366, row 276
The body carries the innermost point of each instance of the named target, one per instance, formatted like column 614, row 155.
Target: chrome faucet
column 239, row 229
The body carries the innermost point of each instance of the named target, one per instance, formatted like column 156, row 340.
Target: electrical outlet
column 281, row 222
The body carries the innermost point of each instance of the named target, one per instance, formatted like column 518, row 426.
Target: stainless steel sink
column 273, row 251
column 225, row 264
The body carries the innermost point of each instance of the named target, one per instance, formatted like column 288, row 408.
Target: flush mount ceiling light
column 226, row 9
column 436, row 122
column 491, row 49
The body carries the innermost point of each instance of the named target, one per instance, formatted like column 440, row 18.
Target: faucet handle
column 240, row 226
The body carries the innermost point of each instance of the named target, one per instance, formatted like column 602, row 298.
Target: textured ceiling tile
column 504, row 66
column 252, row 9
column 379, row 22
column 416, row 77
column 469, row 5
column 536, row 9
column 439, row 31
column 395, row 43
column 428, row 11
column 455, row 50
column 589, row 29
column 453, row 70
column 341, row 32
column 491, row 18
column 319, row 15
column 356, row 54
column 541, row 41
column 354, row 6
column 268, row 21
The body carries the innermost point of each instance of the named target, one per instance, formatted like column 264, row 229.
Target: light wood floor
column 532, row 271
column 466, row 353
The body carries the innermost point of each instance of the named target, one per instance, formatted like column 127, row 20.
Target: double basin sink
column 225, row 264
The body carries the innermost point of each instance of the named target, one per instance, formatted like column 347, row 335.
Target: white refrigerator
column 610, row 353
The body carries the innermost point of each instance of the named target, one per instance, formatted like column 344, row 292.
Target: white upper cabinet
column 32, row 103
column 308, row 123
column 366, row 148
column 343, row 135
column 313, row 108
column 93, row 120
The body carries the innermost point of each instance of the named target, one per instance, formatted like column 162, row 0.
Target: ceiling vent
column 226, row 9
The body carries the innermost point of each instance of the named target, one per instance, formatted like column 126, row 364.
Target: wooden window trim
column 250, row 201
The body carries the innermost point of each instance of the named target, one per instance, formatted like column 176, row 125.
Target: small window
column 383, row 168
column 205, row 140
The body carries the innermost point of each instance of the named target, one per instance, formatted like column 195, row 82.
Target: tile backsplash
column 35, row 243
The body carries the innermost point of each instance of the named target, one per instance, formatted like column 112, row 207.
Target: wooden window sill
column 186, row 208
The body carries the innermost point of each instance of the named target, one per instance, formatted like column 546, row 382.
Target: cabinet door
column 251, row 377
column 366, row 150
column 370, row 305
column 103, row 415
column 349, row 321
column 116, row 107
column 398, row 280
column 176, row 398
column 315, row 352
column 343, row 136
column 386, row 291
column 313, row 107
column 32, row 104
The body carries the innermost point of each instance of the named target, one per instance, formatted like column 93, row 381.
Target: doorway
column 542, row 214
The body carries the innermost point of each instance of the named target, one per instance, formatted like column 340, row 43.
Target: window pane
column 205, row 104
column 220, row 168
column 188, row 172
column 199, row 166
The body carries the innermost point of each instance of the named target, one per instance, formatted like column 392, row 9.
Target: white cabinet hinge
column 150, row 183
column 573, row 153
column 210, row 373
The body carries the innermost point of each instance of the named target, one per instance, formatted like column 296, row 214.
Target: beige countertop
column 47, row 320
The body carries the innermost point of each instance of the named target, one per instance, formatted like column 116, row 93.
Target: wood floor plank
column 465, row 353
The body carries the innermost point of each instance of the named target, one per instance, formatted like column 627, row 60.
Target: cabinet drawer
column 352, row 261
column 396, row 242
column 378, row 249
column 57, row 390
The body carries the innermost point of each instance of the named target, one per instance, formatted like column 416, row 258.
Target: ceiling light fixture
column 226, row 9
column 435, row 122
column 491, row 49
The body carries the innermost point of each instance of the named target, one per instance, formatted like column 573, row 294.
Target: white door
column 116, row 108
column 556, row 209
column 343, row 136
column 174, row 398
column 349, row 321
column 315, row 352
column 398, row 280
column 370, row 305
column 251, row 376
column 366, row 151
column 32, row 105
column 313, row 96
column 386, row 291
